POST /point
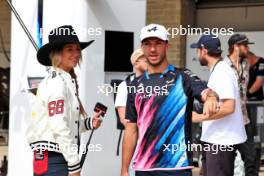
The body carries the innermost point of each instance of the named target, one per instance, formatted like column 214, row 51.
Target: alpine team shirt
column 162, row 108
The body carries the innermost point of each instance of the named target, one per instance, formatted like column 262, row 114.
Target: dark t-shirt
column 162, row 109
column 256, row 71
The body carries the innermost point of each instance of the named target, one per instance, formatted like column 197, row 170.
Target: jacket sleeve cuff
column 73, row 168
column 88, row 123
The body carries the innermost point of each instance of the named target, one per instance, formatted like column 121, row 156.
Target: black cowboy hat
column 57, row 38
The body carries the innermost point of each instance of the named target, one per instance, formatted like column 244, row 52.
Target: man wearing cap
column 238, row 50
column 159, row 127
column 225, row 129
column 139, row 63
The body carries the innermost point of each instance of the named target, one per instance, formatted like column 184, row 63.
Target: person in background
column 58, row 115
column 255, row 95
column 238, row 50
column 225, row 129
column 139, row 64
column 256, row 77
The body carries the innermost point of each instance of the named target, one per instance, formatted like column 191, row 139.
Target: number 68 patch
column 56, row 107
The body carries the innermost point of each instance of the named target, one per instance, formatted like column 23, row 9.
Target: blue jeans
column 57, row 166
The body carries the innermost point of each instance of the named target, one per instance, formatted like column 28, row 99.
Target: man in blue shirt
column 159, row 112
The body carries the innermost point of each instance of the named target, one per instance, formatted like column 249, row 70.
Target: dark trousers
column 57, row 166
column 248, row 153
column 218, row 164
column 252, row 114
column 165, row 173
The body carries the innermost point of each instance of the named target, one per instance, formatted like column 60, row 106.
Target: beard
column 242, row 55
column 156, row 64
column 203, row 62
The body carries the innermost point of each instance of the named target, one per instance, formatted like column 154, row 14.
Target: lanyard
column 240, row 74
column 214, row 66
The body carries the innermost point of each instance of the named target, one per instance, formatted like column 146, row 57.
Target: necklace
column 214, row 66
column 239, row 70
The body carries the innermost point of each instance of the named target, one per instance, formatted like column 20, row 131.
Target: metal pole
column 256, row 102
column 22, row 24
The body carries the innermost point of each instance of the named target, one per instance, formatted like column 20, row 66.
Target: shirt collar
column 228, row 60
column 168, row 69
column 61, row 72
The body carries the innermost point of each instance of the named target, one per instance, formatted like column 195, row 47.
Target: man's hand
column 227, row 107
column 75, row 174
column 96, row 122
column 197, row 118
column 211, row 104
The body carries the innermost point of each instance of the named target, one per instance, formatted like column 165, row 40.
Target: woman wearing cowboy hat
column 59, row 116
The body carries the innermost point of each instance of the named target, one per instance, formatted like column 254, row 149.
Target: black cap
column 239, row 39
column 210, row 42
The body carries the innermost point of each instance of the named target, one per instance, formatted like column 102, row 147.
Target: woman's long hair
column 56, row 57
